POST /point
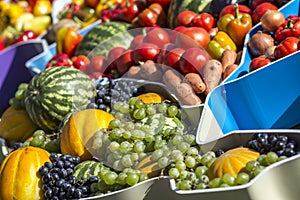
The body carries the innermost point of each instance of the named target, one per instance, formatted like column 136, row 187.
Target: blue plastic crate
column 13, row 70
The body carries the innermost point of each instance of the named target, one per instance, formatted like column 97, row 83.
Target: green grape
column 126, row 134
column 162, row 107
column 207, row 157
column 20, row 94
column 157, row 154
column 281, row 158
column 124, row 108
column 110, row 178
column 94, row 188
column 204, row 179
column 38, row 133
column 258, row 169
column 201, row 185
column 228, row 179
column 210, row 162
column 172, row 111
column 132, row 100
column 159, row 144
column 251, row 165
column 139, row 104
column 242, row 178
column 143, row 177
column 142, row 155
column 125, row 147
column 117, row 106
column 119, row 115
column 113, row 146
column 115, row 123
column 271, row 158
column 150, row 110
column 138, row 134
column 132, row 179
column 185, row 185
column 23, row 86
column 115, row 134
column 110, row 159
column 190, row 162
column 183, row 147
column 139, row 113
column 176, row 155
column 36, row 142
column 174, row 173
column 191, row 176
column 200, row 170
column 126, row 161
column 26, row 144
column 103, row 172
column 134, row 157
column 214, row 183
column 180, row 165
column 52, row 145
column 129, row 126
column 121, row 179
column 139, row 146
column 149, row 138
column 262, row 159
column 117, row 165
column 190, row 138
column 183, row 174
column 105, row 139
column 222, row 185
column 177, row 139
column 117, row 155
column 192, row 151
column 163, row 162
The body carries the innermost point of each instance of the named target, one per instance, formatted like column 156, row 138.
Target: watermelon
column 54, row 93
column 101, row 39
column 177, row 6
column 86, row 169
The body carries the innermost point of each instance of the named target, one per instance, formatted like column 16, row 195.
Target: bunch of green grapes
column 137, row 130
column 44, row 141
column 18, row 100
column 110, row 180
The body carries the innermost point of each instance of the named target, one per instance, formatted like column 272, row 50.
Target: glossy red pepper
column 60, row 59
column 152, row 16
column 130, row 10
column 204, row 20
column 26, row 35
column 230, row 9
column 67, row 40
column 259, row 62
column 80, row 62
column 290, row 28
column 2, row 43
column 288, row 46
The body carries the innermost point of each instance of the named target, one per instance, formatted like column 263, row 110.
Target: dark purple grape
column 289, row 152
column 92, row 105
column 280, row 145
column 93, row 179
column 55, row 177
column 70, row 171
column 78, row 193
column 62, row 195
column 47, row 178
column 102, row 107
column 291, row 145
column 55, row 198
column 55, row 190
column 219, row 152
column 272, row 139
column 59, row 164
column 49, row 165
column 49, row 193
column 63, row 173
column 43, row 170
column 283, row 138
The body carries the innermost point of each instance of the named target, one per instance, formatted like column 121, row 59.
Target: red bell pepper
column 2, row 43
column 152, row 16
column 290, row 28
column 60, row 59
column 288, row 46
column 259, row 62
column 67, row 40
column 230, row 9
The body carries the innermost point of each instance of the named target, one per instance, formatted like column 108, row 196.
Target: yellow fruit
column 232, row 162
column 16, row 125
column 79, row 130
column 150, row 97
column 19, row 177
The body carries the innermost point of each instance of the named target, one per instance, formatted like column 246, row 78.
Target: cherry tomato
column 175, row 31
column 157, row 36
column 255, row 3
column 172, row 58
column 147, row 18
column 125, row 61
column 163, row 3
column 129, row 12
column 113, row 55
column 137, row 41
column 259, row 62
column 144, row 52
column 185, row 17
column 193, row 60
column 260, row 10
column 192, row 37
column 286, row 47
column 204, row 20
column 166, row 48
column 80, row 62
column 98, row 64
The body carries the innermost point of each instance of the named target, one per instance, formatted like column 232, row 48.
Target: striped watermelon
column 86, row 169
column 177, row 6
column 54, row 93
column 101, row 39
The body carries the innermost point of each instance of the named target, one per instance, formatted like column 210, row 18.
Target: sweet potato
column 195, row 81
column 212, row 74
column 186, row 94
column 172, row 78
column 228, row 58
column 151, row 71
column 229, row 69
column 133, row 72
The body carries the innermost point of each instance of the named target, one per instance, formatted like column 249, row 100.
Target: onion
column 271, row 20
column 259, row 43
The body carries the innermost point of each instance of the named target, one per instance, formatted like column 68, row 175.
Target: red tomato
column 137, row 41
column 157, row 36
column 80, row 62
column 144, row 52
column 98, row 64
column 286, row 47
column 113, row 55
column 192, row 37
column 259, row 62
column 175, row 32
column 193, row 60
column 260, row 10
column 204, row 20
column 172, row 58
column 185, row 17
column 163, row 3
column 125, row 61
column 166, row 48
column 255, row 3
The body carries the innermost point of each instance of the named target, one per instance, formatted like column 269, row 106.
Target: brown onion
column 259, row 43
column 271, row 20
